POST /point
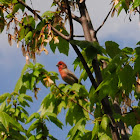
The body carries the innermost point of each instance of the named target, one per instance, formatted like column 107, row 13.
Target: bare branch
column 70, row 20
column 105, row 19
column 85, row 66
column 78, row 36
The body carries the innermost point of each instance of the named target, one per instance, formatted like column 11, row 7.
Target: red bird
column 68, row 76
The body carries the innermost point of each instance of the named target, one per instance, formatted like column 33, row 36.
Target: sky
column 118, row 29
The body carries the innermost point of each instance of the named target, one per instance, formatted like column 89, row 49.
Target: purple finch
column 68, row 76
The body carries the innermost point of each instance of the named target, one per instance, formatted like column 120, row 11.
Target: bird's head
column 61, row 65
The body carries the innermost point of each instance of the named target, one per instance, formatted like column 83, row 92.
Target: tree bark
column 90, row 35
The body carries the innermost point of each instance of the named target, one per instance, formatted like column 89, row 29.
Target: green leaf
column 136, row 3
column 76, row 87
column 127, row 78
column 105, row 122
column 76, row 63
column 83, row 75
column 19, row 82
column 48, row 14
column 36, row 73
column 30, row 21
column 127, row 50
column 137, row 65
column 93, row 97
column 130, row 119
column 69, row 117
column 32, row 138
column 137, row 50
column 124, row 5
column 17, row 7
column 47, row 104
column 4, row 96
column 53, row 118
column 138, row 43
column 14, row 1
column 82, row 44
column 6, row 120
column 91, row 49
column 77, row 126
column 105, row 137
column 95, row 129
column 15, row 135
column 33, row 126
column 39, row 136
column 40, row 25
column 27, row 97
column 63, row 45
column 22, row 101
column 3, row 106
column 51, row 137
column 136, row 133
column 29, row 36
column 112, row 48
column 33, row 79
column 21, row 33
column 61, row 105
column 34, row 115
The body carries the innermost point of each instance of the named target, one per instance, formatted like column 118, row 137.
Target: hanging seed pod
column 46, row 51
column 18, row 44
column 27, row 58
column 10, row 39
column 56, row 40
column 23, row 50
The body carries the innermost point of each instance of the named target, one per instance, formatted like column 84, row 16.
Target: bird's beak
column 57, row 65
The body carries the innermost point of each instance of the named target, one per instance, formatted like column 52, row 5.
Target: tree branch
column 90, row 35
column 79, row 53
column 74, row 101
column 85, row 66
column 104, row 20
column 76, row 18
column 39, row 17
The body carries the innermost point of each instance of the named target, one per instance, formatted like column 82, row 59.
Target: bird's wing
column 71, row 74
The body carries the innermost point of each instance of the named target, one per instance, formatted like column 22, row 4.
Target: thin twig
column 137, row 10
column 78, row 36
column 74, row 101
column 70, row 20
column 94, row 83
column 104, row 20
column 31, row 4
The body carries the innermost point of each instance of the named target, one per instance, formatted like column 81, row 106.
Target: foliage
column 120, row 78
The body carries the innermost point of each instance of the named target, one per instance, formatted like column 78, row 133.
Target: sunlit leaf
column 136, row 132
column 6, row 120
column 4, row 96
column 34, row 115
column 19, row 82
column 53, row 118
column 95, row 129
column 105, row 122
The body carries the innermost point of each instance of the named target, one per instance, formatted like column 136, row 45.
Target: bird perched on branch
column 68, row 76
